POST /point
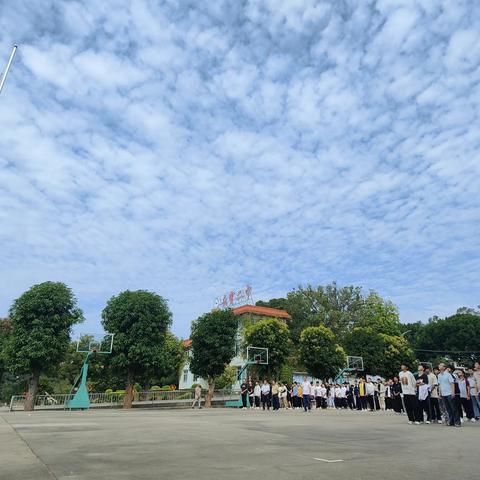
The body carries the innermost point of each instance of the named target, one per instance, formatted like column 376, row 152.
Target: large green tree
column 281, row 303
column 272, row 334
column 332, row 306
column 451, row 335
column 140, row 321
column 322, row 356
column 213, row 346
column 41, row 320
column 378, row 314
column 382, row 354
column 5, row 328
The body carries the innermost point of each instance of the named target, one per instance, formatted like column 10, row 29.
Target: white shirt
column 257, row 390
column 432, row 383
column 306, row 388
column 408, row 382
column 318, row 391
column 343, row 392
column 265, row 389
column 369, row 389
column 323, row 392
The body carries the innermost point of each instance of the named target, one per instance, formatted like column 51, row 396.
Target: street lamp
column 4, row 76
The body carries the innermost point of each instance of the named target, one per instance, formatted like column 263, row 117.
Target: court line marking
column 328, row 461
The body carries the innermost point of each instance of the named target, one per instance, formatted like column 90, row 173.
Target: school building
column 250, row 312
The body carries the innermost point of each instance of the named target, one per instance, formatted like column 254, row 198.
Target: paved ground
column 231, row 444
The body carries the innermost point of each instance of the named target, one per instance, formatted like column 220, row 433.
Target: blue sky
column 193, row 147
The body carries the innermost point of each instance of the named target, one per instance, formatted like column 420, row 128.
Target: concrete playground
column 231, row 444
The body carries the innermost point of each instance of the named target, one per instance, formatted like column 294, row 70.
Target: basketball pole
column 4, row 76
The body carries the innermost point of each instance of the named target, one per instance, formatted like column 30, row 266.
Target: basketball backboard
column 257, row 355
column 94, row 342
column 354, row 363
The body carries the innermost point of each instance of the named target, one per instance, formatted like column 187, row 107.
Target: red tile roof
column 266, row 311
column 187, row 343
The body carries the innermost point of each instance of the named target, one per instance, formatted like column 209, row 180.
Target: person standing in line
column 433, row 406
column 476, row 376
column 362, row 393
column 446, row 384
column 350, row 396
column 465, row 395
column 382, row 389
column 312, row 395
column 244, row 393
column 409, row 387
column 289, row 396
column 318, row 395
column 396, row 398
column 265, row 392
column 473, row 394
column 343, row 396
column 197, row 397
column 356, row 392
column 250, row 394
column 257, row 394
column 300, row 396
column 338, row 399
column 295, row 396
column 331, row 396
column 370, row 392
column 282, row 395
column 275, row 399
column 306, row 395
column 423, row 394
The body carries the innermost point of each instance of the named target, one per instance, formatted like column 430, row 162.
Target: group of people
column 435, row 395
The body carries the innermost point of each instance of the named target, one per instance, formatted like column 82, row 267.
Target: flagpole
column 4, row 77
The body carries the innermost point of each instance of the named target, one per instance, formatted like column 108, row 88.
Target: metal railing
column 115, row 399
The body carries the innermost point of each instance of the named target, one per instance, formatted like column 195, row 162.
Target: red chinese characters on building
column 235, row 298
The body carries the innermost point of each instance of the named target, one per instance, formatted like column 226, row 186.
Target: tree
column 451, row 335
column 379, row 314
column 332, row 306
column 227, row 378
column 272, row 334
column 5, row 328
column 382, row 354
column 213, row 346
column 280, row 303
column 322, row 356
column 41, row 320
column 140, row 321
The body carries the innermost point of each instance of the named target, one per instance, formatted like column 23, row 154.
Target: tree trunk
column 33, row 382
column 128, row 399
column 209, row 395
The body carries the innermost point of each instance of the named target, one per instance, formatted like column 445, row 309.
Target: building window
column 185, row 375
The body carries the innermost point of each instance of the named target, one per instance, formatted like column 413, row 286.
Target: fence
column 112, row 400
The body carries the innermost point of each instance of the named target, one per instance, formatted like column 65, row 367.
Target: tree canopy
column 272, row 334
column 322, row 356
column 213, row 345
column 41, row 321
column 140, row 321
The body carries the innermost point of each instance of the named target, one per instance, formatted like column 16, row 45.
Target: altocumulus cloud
column 190, row 147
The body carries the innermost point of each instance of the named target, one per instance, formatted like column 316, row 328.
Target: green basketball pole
column 81, row 400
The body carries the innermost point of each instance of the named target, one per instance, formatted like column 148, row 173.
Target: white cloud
column 191, row 149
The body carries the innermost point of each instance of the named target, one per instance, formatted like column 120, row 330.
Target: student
column 289, row 396
column 306, row 395
column 295, row 396
column 282, row 395
column 275, row 399
column 464, row 395
column 434, row 405
column 257, row 394
column 362, row 394
column 388, row 395
column 409, row 387
column 356, row 393
column 343, row 396
column 350, row 396
column 318, row 395
column 250, row 394
column 312, row 394
column 473, row 394
column 382, row 389
column 396, row 392
column 331, row 396
column 198, row 397
column 370, row 392
column 446, row 384
column 300, row 396
column 338, row 399
column 265, row 392
column 423, row 394
column 244, row 393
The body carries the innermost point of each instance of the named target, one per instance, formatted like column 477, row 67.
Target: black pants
column 468, row 407
column 244, row 400
column 275, row 402
column 397, row 404
column 363, row 403
column 450, row 407
column 350, row 402
column 388, row 403
column 318, row 402
column 358, row 402
column 266, row 401
column 435, row 409
column 250, row 400
column 424, row 406
column 371, row 402
column 411, row 407
column 257, row 402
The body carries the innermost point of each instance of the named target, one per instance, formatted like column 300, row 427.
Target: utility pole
column 4, row 76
